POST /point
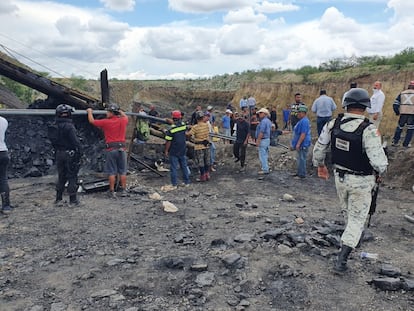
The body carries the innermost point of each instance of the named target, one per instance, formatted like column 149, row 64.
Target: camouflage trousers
column 354, row 194
column 202, row 157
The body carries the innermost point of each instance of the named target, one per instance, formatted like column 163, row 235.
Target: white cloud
column 244, row 16
column 239, row 39
column 334, row 21
column 89, row 40
column 7, row 7
column 119, row 5
column 178, row 44
column 203, row 6
column 275, row 7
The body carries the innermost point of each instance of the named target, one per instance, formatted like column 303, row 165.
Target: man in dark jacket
column 175, row 148
column 68, row 153
column 242, row 138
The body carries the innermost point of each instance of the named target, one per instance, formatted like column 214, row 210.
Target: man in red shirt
column 114, row 128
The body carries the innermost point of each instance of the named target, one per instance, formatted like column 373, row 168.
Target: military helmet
column 113, row 107
column 64, row 110
column 357, row 96
column 176, row 114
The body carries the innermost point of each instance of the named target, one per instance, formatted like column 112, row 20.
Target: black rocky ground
column 236, row 243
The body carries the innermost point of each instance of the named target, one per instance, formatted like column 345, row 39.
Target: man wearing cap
column 294, row 109
column 114, row 129
column 242, row 138
column 212, row 117
column 404, row 107
column 301, row 140
column 200, row 134
column 175, row 148
column 263, row 139
column 323, row 106
column 377, row 102
column 225, row 123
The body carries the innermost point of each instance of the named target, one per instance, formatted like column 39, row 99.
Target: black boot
column 340, row 264
column 73, row 200
column 59, row 197
column 5, row 202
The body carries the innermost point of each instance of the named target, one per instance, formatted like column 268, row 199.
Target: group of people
column 353, row 140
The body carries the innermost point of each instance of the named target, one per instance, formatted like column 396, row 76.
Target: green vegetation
column 24, row 93
column 79, row 83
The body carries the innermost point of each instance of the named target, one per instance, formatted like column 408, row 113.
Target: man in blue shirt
column 301, row 140
column 263, row 139
column 323, row 106
column 225, row 123
column 243, row 103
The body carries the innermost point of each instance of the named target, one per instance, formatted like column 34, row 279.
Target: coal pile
column 31, row 152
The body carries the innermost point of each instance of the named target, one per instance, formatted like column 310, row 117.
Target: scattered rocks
column 389, row 270
column 390, row 284
column 205, row 279
column 288, row 198
column 169, row 207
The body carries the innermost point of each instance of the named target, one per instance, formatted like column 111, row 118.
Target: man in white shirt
column 377, row 102
column 4, row 163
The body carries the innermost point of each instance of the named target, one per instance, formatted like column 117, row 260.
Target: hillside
column 185, row 95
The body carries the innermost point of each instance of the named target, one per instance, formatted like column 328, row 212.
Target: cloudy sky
column 152, row 39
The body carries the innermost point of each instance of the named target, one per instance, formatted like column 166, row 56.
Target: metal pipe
column 52, row 112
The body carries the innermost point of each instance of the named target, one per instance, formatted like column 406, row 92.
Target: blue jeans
column 212, row 153
column 264, row 154
column 176, row 161
column 320, row 122
column 302, row 155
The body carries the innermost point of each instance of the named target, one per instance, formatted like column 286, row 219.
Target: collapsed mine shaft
column 30, row 150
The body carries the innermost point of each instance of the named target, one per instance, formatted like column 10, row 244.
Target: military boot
column 59, row 197
column 340, row 264
column 5, row 202
column 73, row 200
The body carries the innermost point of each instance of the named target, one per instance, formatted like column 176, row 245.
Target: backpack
column 143, row 129
column 53, row 133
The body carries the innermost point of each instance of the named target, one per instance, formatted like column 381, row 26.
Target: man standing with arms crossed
column 359, row 162
column 114, row 128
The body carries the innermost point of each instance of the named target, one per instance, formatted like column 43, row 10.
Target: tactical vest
column 347, row 148
column 407, row 102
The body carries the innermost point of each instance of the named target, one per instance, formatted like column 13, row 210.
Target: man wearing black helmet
column 68, row 153
column 114, row 128
column 359, row 161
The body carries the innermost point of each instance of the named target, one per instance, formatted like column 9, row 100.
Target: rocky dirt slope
column 236, row 243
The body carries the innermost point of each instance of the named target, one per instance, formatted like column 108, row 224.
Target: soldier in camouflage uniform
column 359, row 161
